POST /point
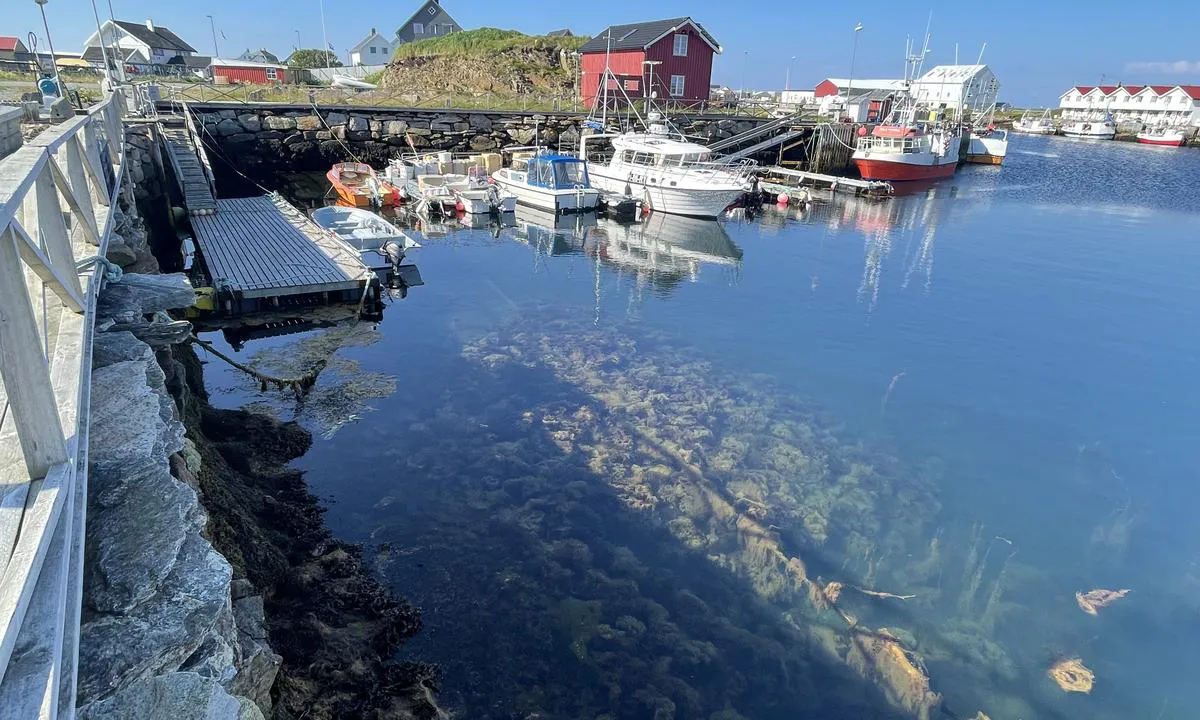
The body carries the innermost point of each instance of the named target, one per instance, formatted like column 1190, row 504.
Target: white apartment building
column 955, row 87
column 1171, row 105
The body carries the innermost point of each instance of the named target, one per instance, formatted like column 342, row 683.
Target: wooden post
column 91, row 151
column 25, row 370
column 52, row 228
column 77, row 177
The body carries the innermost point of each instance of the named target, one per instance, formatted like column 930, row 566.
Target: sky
column 1038, row 49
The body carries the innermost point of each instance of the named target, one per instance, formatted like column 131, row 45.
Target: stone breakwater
column 299, row 140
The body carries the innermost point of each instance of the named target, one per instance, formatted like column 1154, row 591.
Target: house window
column 372, row 49
column 418, row 28
column 681, row 42
column 272, row 74
column 676, row 85
column 631, row 85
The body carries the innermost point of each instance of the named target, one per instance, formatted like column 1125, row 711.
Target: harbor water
column 789, row 464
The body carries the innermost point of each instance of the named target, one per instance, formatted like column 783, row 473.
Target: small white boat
column 477, row 196
column 1169, row 137
column 1030, row 125
column 558, row 183
column 1104, row 129
column 988, row 146
column 345, row 81
column 362, row 229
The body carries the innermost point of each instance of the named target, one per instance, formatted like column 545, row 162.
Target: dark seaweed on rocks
column 334, row 625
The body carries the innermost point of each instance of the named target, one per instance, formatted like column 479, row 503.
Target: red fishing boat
column 1161, row 136
column 357, row 185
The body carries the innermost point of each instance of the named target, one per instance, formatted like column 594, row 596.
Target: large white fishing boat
column 666, row 171
column 1030, row 125
column 559, row 183
column 1104, row 129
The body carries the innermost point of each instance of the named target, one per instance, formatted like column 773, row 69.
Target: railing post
column 24, row 368
column 91, row 151
column 77, row 178
column 51, row 227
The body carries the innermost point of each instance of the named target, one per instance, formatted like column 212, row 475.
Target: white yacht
column 666, row 171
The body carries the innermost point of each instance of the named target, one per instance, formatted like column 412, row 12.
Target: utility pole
column 297, row 45
column 212, row 24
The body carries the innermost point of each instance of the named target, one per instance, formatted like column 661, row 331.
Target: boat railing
column 737, row 170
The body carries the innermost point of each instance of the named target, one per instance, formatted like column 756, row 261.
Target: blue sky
column 1038, row 49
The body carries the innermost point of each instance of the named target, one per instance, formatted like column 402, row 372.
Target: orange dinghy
column 357, row 185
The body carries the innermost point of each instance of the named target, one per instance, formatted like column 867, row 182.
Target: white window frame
column 682, row 85
column 676, row 48
column 374, row 50
column 418, row 28
column 272, row 73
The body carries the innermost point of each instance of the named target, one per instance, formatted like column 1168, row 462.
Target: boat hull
column 877, row 169
column 690, row 202
column 552, row 200
column 987, row 149
column 1171, row 140
column 1033, row 129
column 985, row 159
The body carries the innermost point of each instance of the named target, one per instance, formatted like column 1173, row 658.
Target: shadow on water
column 544, row 591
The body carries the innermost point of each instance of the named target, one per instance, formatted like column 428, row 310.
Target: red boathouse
column 248, row 72
column 680, row 49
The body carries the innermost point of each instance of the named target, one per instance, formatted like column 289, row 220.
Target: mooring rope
column 300, row 385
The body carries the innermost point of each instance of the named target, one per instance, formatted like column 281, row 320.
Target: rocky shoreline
column 334, row 625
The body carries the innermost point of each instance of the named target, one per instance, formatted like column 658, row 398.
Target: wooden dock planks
column 263, row 247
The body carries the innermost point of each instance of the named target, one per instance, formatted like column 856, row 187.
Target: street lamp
column 100, row 35
column 745, row 60
column 212, row 24
column 853, row 53
column 787, row 82
column 62, row 92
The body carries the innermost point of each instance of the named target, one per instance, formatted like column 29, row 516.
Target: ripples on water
column 618, row 466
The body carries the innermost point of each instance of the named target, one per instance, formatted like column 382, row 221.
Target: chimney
column 149, row 24
column 372, row 31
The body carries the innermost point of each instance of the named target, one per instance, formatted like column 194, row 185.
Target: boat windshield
column 686, row 159
column 569, row 174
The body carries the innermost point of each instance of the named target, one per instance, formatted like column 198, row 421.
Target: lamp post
column 100, row 35
column 787, row 82
column 853, row 54
column 53, row 61
column 324, row 36
column 297, row 46
column 745, row 60
column 212, row 24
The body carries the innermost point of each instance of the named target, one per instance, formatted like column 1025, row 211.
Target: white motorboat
column 1030, row 125
column 478, row 196
column 1169, row 137
column 1104, row 129
column 363, row 229
column 559, row 183
column 668, row 172
column 345, row 81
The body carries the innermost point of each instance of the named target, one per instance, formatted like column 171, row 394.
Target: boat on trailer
column 551, row 182
column 357, row 185
column 1166, row 136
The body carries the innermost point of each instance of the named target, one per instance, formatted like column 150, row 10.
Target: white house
column 374, row 49
column 1173, row 105
column 957, row 87
column 138, row 43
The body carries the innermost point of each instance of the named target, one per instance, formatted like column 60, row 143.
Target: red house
column 679, row 52
column 248, row 72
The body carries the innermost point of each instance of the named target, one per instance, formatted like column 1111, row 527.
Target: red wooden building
column 248, row 72
column 679, row 51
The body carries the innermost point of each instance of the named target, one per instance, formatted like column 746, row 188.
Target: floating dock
column 262, row 253
column 785, row 179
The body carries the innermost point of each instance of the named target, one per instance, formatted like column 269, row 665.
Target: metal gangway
column 787, row 121
column 58, row 197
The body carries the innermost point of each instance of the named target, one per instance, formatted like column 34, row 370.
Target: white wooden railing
column 57, row 197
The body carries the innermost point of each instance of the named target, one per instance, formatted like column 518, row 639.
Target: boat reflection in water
column 661, row 251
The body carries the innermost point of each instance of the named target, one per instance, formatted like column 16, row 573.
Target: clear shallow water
column 1012, row 353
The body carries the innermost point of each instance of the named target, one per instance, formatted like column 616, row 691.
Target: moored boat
column 1104, row 129
column 357, row 185
column 907, row 151
column 559, row 183
column 1169, row 137
column 362, row 229
column 1030, row 125
column 987, row 146
column 669, row 173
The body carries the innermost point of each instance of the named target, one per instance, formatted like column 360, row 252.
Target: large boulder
column 229, row 126
column 275, row 122
column 250, row 121
column 142, row 294
column 480, row 121
column 359, row 123
column 394, row 127
column 334, row 119
column 309, row 122
column 484, row 142
column 174, row 696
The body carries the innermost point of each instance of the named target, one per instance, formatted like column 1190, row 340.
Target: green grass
column 483, row 42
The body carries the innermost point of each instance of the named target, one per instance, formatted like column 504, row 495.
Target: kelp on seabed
column 750, row 478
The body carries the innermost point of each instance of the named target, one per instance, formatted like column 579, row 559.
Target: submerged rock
column 1072, row 675
column 1092, row 601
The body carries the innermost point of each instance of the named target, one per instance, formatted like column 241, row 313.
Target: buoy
column 782, row 199
column 862, row 132
column 459, row 206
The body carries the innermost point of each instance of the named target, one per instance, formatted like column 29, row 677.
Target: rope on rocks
column 299, row 385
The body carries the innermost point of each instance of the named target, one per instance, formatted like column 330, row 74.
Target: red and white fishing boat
column 357, row 185
column 1161, row 136
column 905, row 149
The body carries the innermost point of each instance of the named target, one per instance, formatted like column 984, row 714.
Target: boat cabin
column 556, row 172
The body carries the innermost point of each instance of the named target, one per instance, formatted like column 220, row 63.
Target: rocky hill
column 485, row 60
